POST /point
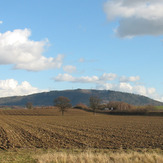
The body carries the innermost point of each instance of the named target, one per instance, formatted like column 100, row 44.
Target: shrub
column 81, row 106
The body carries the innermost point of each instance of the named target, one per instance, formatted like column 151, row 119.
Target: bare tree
column 29, row 105
column 94, row 103
column 63, row 103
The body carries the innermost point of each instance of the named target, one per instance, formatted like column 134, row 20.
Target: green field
column 159, row 108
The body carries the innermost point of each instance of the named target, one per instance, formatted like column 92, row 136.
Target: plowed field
column 78, row 129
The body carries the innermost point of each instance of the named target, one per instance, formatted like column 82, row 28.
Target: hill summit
column 77, row 96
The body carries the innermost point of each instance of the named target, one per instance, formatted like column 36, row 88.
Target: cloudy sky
column 93, row 44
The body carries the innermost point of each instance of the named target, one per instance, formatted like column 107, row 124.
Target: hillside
column 77, row 96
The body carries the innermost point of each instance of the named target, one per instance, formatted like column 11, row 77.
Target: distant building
column 109, row 109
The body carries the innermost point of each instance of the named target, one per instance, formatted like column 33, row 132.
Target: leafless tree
column 63, row 103
column 94, row 103
column 29, row 105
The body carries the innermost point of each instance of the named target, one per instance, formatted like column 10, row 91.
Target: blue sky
column 90, row 44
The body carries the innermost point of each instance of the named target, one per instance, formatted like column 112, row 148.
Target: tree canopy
column 29, row 105
column 63, row 103
column 94, row 103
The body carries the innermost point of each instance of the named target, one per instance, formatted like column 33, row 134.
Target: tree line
column 64, row 103
column 95, row 104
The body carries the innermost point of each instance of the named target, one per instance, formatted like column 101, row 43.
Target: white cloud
column 1, row 22
column 11, row 87
column 41, row 64
column 124, row 87
column 85, row 79
column 69, row 78
column 69, row 68
column 64, row 77
column 125, row 79
column 136, row 17
column 108, row 77
column 17, row 49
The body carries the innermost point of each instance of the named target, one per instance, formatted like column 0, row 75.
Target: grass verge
column 81, row 156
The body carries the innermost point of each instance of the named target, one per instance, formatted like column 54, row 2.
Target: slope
column 78, row 96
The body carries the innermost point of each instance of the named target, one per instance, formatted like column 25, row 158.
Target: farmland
column 159, row 108
column 47, row 129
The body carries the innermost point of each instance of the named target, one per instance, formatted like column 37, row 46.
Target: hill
column 77, row 96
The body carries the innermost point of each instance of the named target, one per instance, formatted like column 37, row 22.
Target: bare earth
column 78, row 129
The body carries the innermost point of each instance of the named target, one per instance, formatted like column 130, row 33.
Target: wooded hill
column 77, row 96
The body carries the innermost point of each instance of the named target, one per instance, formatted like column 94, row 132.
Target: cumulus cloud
column 17, row 49
column 136, row 17
column 70, row 78
column 85, row 79
column 125, row 79
column 11, row 87
column 69, row 68
column 1, row 22
column 107, row 77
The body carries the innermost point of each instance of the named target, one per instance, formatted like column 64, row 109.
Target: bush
column 125, row 107
column 81, row 106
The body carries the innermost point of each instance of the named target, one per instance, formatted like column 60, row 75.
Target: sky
column 90, row 44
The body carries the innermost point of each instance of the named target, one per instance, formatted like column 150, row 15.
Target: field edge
column 87, row 155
